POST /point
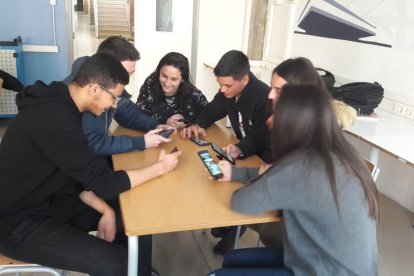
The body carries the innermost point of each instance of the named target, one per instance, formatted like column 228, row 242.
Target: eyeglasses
column 116, row 99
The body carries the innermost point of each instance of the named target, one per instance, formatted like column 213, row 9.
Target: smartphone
column 174, row 150
column 166, row 132
column 200, row 141
column 222, row 154
column 211, row 166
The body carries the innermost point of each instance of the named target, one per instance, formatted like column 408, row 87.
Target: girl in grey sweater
column 328, row 198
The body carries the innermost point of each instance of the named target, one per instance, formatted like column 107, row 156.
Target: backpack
column 363, row 96
column 329, row 79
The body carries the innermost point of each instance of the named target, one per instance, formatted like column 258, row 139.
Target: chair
column 8, row 265
column 373, row 169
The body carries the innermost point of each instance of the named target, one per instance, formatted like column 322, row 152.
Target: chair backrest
column 8, row 265
column 373, row 169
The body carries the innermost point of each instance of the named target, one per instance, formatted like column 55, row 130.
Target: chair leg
column 237, row 238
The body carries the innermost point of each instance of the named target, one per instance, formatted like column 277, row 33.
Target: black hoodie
column 45, row 154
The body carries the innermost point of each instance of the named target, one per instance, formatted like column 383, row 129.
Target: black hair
column 102, row 69
column 186, row 87
column 233, row 64
column 305, row 120
column 299, row 71
column 119, row 48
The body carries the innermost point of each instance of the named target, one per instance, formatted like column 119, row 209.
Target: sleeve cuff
column 139, row 143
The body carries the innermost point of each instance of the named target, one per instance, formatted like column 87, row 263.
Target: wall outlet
column 410, row 112
column 399, row 109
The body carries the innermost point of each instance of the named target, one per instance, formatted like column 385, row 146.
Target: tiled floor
column 190, row 253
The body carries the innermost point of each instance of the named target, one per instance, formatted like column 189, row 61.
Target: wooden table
column 184, row 199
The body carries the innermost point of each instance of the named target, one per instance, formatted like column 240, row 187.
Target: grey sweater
column 319, row 240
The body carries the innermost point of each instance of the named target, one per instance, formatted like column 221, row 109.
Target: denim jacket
column 126, row 114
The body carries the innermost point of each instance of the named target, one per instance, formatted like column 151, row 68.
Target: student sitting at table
column 243, row 98
column 168, row 95
column 326, row 192
column 298, row 70
column 124, row 112
column 45, row 162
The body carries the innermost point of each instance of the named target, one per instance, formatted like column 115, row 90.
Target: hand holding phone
column 166, row 132
column 223, row 154
column 209, row 163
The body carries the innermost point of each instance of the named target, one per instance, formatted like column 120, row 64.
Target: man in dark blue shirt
column 125, row 113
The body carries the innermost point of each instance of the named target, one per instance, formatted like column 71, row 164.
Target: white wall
column 392, row 67
column 154, row 45
column 221, row 28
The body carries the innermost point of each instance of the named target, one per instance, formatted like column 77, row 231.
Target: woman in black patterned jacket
column 168, row 95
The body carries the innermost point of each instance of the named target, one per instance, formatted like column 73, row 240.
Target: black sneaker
column 227, row 241
column 221, row 248
column 218, row 232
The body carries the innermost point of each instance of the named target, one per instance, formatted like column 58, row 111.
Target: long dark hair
column 299, row 70
column 186, row 87
column 305, row 120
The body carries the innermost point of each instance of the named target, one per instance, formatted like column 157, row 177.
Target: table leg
column 237, row 238
column 133, row 256
column 374, row 155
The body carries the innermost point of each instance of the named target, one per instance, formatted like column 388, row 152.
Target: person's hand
column 264, row 168
column 232, row 150
column 225, row 167
column 107, row 225
column 193, row 130
column 168, row 161
column 174, row 121
column 153, row 139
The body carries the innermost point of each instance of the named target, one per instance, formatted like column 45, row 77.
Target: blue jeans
column 254, row 261
column 62, row 241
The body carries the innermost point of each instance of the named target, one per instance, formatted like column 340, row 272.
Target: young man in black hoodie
column 45, row 162
column 243, row 98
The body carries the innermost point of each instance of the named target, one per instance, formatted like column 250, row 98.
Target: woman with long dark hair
column 326, row 192
column 300, row 70
column 168, row 95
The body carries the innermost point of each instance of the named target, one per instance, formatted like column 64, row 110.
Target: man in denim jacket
column 126, row 113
